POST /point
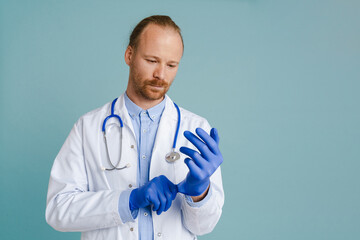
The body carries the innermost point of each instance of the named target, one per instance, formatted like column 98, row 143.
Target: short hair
column 160, row 20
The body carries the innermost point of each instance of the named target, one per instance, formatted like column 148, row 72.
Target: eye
column 172, row 65
column 151, row 60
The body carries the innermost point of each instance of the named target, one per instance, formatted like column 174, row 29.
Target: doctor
column 149, row 198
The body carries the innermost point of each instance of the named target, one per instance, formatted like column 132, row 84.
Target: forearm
column 73, row 209
column 201, row 217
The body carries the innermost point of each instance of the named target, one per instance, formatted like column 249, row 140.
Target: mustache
column 156, row 82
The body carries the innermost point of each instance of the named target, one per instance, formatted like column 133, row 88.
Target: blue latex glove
column 201, row 165
column 159, row 192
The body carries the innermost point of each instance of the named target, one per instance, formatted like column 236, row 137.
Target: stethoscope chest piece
column 172, row 156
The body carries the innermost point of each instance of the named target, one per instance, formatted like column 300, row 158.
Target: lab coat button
column 131, row 229
column 130, row 185
column 132, row 146
column 159, row 234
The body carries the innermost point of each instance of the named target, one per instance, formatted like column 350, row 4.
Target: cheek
column 138, row 70
column 145, row 70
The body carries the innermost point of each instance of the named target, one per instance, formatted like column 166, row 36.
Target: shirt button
column 131, row 229
column 145, row 214
column 130, row 185
column 144, row 130
column 159, row 234
column 143, row 156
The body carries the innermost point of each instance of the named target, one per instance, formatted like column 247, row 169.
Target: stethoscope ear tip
column 128, row 165
column 103, row 168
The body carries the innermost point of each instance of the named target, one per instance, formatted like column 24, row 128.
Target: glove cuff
column 132, row 200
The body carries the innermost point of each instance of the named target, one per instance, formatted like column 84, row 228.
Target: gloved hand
column 201, row 166
column 159, row 192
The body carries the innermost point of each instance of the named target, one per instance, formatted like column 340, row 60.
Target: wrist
column 201, row 196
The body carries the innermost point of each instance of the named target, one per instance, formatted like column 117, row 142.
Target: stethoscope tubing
column 121, row 125
column 177, row 127
column 112, row 115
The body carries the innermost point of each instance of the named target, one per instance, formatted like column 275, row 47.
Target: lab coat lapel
column 120, row 179
column 163, row 142
column 122, row 111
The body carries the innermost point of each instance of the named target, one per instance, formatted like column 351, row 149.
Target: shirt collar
column 134, row 110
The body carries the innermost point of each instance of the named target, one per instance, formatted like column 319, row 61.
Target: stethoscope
column 170, row 157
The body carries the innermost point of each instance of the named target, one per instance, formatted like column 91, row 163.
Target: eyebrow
column 152, row 56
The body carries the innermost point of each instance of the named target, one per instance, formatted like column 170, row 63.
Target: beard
column 153, row 89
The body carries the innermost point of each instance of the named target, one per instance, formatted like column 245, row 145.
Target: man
column 140, row 196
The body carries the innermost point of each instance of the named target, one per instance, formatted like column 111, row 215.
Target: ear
column 129, row 53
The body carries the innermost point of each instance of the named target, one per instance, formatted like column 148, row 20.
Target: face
column 153, row 64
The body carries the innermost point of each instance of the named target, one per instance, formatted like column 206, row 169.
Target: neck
column 142, row 102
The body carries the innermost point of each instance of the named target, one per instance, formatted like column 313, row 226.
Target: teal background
column 279, row 79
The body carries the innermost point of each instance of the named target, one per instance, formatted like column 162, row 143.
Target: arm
column 203, row 182
column 70, row 204
column 72, row 207
column 201, row 217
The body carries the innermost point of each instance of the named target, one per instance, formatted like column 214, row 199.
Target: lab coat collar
column 169, row 112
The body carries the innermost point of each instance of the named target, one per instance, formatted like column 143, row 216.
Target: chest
column 123, row 148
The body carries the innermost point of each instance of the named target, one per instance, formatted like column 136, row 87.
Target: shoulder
column 94, row 115
column 186, row 114
column 190, row 118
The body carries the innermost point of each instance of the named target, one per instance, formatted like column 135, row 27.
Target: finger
column 171, row 189
column 193, row 168
column 169, row 199
column 153, row 199
column 195, row 156
column 200, row 145
column 168, row 187
column 215, row 135
column 163, row 202
column 208, row 140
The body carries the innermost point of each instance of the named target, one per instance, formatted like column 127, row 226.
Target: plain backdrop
column 279, row 79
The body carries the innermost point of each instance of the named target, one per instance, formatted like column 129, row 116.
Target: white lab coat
column 83, row 198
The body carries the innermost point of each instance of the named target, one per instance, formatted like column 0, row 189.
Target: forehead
column 161, row 42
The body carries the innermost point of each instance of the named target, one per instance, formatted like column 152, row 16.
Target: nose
column 159, row 72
